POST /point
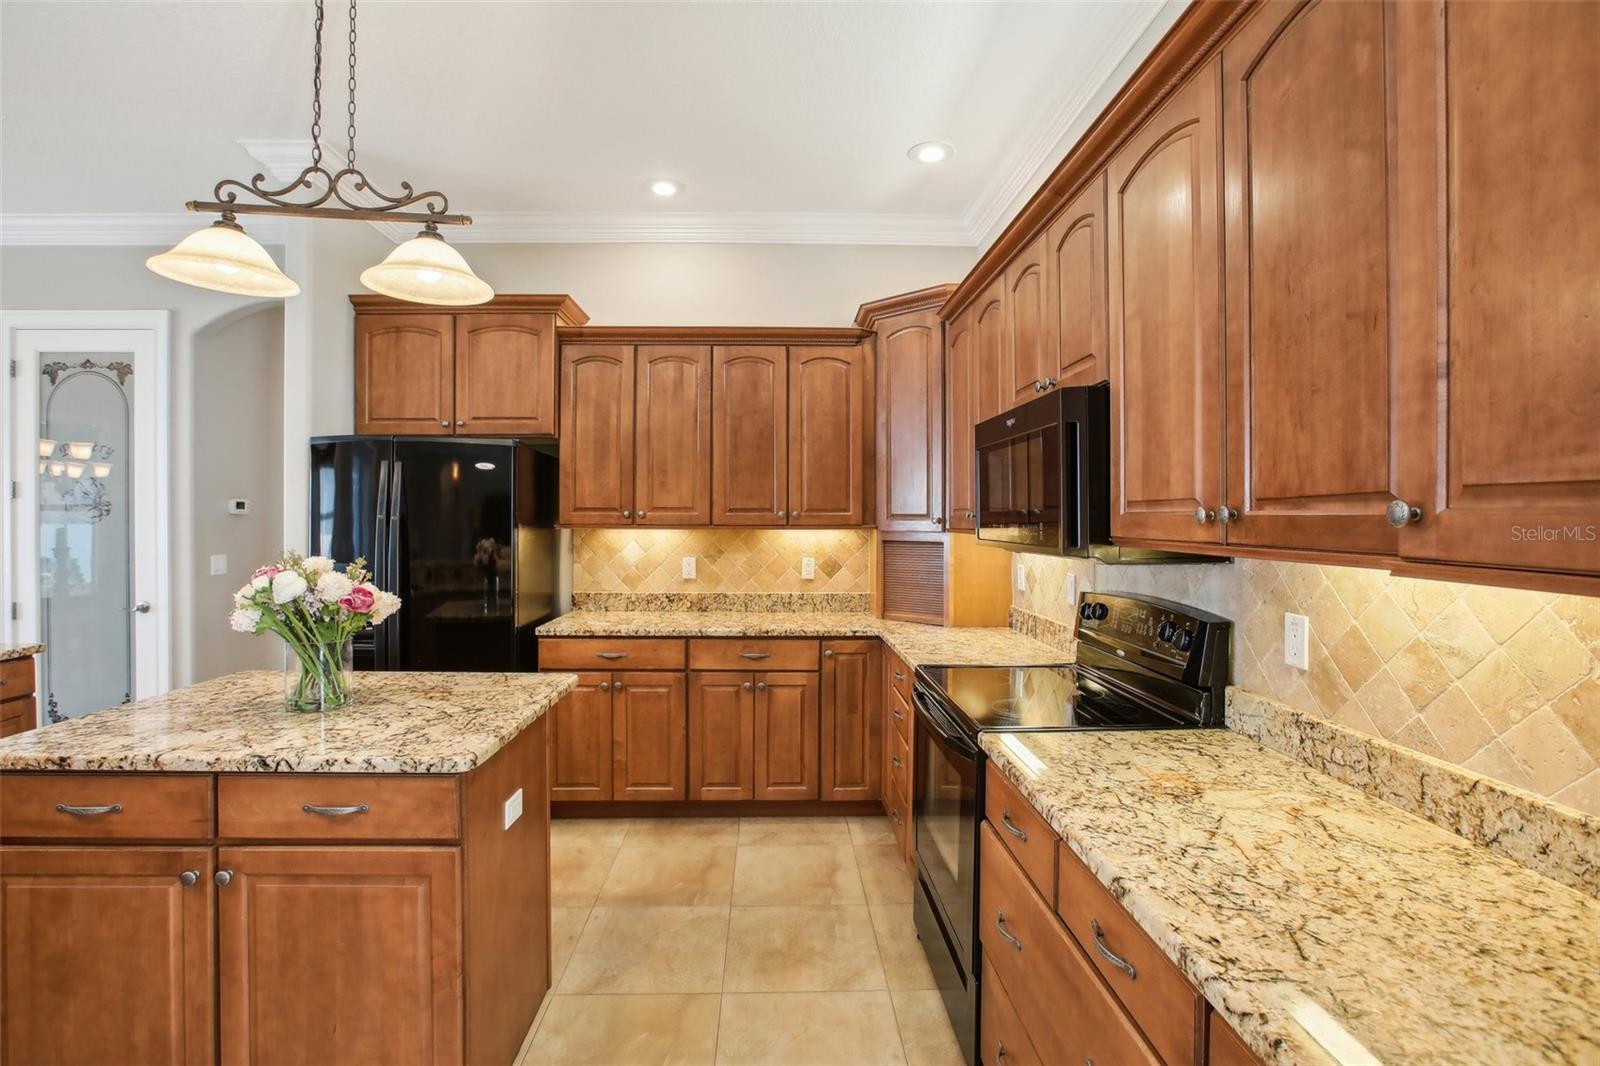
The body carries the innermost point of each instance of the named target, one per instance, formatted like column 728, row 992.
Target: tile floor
column 736, row 940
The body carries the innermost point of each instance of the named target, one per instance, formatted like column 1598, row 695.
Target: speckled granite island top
column 1323, row 924
column 400, row 723
column 19, row 651
column 918, row 645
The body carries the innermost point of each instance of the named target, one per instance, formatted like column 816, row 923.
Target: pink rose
column 358, row 600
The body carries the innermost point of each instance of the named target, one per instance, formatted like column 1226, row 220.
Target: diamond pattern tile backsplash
column 1501, row 681
column 726, row 560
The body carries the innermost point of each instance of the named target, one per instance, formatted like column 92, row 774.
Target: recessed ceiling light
column 666, row 187
column 931, row 152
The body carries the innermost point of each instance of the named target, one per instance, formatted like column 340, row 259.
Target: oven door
column 947, row 804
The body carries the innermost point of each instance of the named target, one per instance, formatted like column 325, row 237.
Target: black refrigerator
column 461, row 529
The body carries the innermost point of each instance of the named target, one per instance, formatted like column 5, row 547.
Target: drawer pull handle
column 89, row 812
column 334, row 812
column 189, row 878
column 894, row 760
column 1000, row 924
column 897, row 715
column 895, row 816
column 1011, row 827
column 999, row 1051
column 611, row 656
column 898, row 676
column 1110, row 956
column 755, row 655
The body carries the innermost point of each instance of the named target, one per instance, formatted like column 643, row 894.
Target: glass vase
column 317, row 677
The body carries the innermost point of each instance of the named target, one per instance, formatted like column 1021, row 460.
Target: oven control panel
column 1182, row 642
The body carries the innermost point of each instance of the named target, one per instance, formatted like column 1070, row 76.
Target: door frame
column 148, row 334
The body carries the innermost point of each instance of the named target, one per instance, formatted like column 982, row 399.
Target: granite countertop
column 19, row 651
column 400, row 723
column 1323, row 924
column 918, row 645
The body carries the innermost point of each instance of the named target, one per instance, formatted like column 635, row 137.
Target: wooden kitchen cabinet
column 750, row 444
column 83, row 920
column 672, row 435
column 1164, row 224
column 722, row 720
column 597, row 480
column 786, row 736
column 1075, row 289
column 994, row 389
column 505, row 368
column 830, row 435
column 1029, row 367
column 910, row 416
column 580, row 741
column 405, row 374
column 961, row 414
column 852, row 720
column 19, row 707
column 650, row 724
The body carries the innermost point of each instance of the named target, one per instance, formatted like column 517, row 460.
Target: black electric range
column 1141, row 663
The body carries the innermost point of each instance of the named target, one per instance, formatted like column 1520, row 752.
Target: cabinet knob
column 223, row 878
column 1227, row 514
column 445, row 423
column 459, row 422
column 1203, row 515
column 641, row 514
column 761, row 686
column 938, row 519
column 605, row 686
column 827, row 653
column 1401, row 514
column 783, row 514
column 627, row 514
column 616, row 686
column 189, row 878
column 747, row 686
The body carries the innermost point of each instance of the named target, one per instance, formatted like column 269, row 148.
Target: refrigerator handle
column 380, row 535
column 391, row 579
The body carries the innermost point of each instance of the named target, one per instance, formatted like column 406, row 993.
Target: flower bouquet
column 316, row 610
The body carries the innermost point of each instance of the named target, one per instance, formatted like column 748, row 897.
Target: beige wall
column 1503, row 682
column 727, row 560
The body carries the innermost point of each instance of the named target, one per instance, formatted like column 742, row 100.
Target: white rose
column 317, row 564
column 244, row 595
column 260, row 581
column 287, row 585
column 384, row 604
column 332, row 585
column 244, row 620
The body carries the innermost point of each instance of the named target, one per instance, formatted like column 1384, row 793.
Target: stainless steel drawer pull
column 755, row 655
column 89, row 812
column 1000, row 924
column 1110, row 956
column 897, row 715
column 189, row 878
column 894, row 760
column 334, row 812
column 999, row 1051
column 898, row 676
column 611, row 656
column 1011, row 827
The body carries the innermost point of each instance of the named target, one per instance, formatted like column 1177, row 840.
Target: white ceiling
column 785, row 121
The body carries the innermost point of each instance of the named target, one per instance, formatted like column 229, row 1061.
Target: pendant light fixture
column 223, row 257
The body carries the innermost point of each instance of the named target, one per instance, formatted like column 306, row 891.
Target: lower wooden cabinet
column 852, row 728
column 1224, row 1048
column 649, row 734
column 897, row 753
column 581, row 755
column 722, row 735
column 1005, row 1038
column 786, row 736
column 19, row 709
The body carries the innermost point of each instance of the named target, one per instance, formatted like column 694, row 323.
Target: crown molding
column 138, row 230
column 869, row 314
column 683, row 227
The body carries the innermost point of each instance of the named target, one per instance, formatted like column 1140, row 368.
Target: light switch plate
column 513, row 809
column 238, row 507
column 219, row 565
column 808, row 568
column 688, row 568
column 1296, row 638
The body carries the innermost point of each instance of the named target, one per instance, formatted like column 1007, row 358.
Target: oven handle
column 938, row 723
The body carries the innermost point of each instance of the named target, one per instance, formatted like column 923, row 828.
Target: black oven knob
column 1165, row 632
column 1183, row 640
column 1100, row 611
column 1086, row 612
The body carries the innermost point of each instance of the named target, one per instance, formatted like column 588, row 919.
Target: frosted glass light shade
column 426, row 270
column 224, row 258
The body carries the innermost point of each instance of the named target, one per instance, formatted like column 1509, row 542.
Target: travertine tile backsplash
column 727, row 560
column 1503, row 682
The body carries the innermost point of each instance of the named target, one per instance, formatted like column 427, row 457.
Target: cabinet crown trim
column 720, row 335
column 566, row 310
column 868, row 315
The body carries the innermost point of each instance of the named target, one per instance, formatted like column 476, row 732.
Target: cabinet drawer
column 895, row 806
column 131, row 806
column 1160, row 998
column 592, row 653
column 1224, row 1046
column 1031, row 842
column 342, row 807
column 899, row 756
column 754, row 654
column 900, row 713
column 1005, row 1041
column 1066, row 1009
column 16, row 678
column 900, row 677
column 16, row 715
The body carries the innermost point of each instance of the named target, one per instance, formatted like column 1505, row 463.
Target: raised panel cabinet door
column 1075, row 289
column 596, row 435
column 649, row 735
column 829, row 430
column 672, row 431
column 961, row 395
column 911, row 422
column 786, row 736
column 722, row 730
column 580, row 741
column 506, row 374
column 340, row 955
column 750, row 444
column 993, row 372
column 1032, row 368
column 1310, row 379
column 852, row 720
column 1505, row 468
column 405, row 374
column 106, row 955
column 1165, row 241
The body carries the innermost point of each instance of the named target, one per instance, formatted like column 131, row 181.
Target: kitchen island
column 202, row 875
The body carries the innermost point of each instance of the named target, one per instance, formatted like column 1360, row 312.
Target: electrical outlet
column 808, row 568
column 1296, row 639
column 1022, row 578
column 513, row 809
column 1072, row 590
column 688, row 570
column 219, row 565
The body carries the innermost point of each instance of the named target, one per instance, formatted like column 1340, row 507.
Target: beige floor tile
column 804, row 875
column 809, row 1029
column 673, row 831
column 688, row 875
column 577, row 872
column 875, row 829
column 802, row 949
column 825, row 829
column 649, row 949
column 598, row 832
column 884, row 874
column 925, row 1029
column 904, row 964
column 627, row 1030
column 565, row 925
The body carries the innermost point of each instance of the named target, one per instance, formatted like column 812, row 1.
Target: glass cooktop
column 992, row 698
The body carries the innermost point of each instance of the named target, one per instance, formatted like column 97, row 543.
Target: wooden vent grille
column 913, row 580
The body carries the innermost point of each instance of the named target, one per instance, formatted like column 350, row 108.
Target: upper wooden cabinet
column 993, row 381
column 829, row 422
column 911, row 422
column 1029, row 367
column 596, row 434
column 1311, row 367
column 1164, row 216
column 672, row 435
column 961, row 414
column 750, row 456
column 488, row 370
column 1075, row 290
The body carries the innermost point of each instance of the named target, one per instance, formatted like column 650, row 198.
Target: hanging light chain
column 351, row 107
column 316, row 92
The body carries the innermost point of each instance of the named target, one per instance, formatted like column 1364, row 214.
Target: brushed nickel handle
column 142, row 607
column 897, row 715
column 1202, row 515
column 747, row 686
column 755, row 655
column 641, row 514
column 827, row 653
column 898, row 676
column 334, row 812
column 1000, row 924
column 627, row 514
column 1011, row 827
column 611, row 656
column 894, row 761
column 605, row 686
column 89, row 812
column 459, row 422
column 1226, row 514
column 761, row 686
column 616, row 686
column 1401, row 514
column 1110, row 956
column 189, row 878
column 894, row 816
column 999, row 1051
column 445, row 423
column 223, row 878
